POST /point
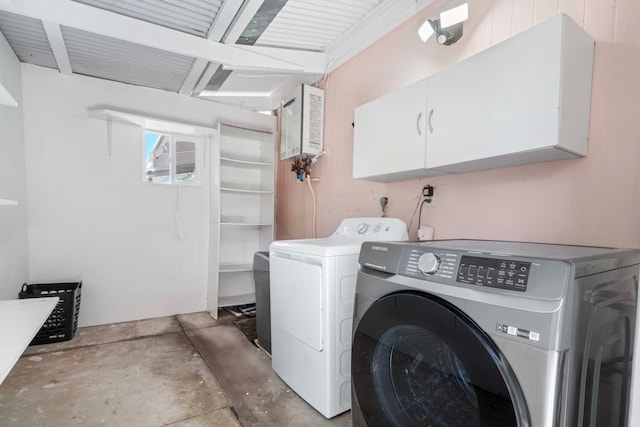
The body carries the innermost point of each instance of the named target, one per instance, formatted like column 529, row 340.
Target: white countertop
column 20, row 321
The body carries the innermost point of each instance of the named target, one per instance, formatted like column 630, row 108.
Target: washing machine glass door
column 419, row 361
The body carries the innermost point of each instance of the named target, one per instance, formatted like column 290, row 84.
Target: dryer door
column 296, row 298
column 419, row 361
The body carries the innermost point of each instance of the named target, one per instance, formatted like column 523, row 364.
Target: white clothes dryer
column 312, row 285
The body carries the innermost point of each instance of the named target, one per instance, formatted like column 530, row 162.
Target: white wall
column 14, row 267
column 90, row 214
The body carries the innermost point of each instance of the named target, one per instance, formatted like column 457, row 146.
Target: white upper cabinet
column 390, row 134
column 525, row 100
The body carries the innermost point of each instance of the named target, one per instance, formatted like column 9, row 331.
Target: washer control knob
column 362, row 228
column 428, row 263
column 377, row 227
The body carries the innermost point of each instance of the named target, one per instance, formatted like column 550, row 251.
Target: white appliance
column 312, row 296
column 301, row 122
column 464, row 333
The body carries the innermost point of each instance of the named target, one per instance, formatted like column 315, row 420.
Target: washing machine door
column 419, row 361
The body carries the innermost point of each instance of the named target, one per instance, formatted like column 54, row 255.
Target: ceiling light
column 448, row 28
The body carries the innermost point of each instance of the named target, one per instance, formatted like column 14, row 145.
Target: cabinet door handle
column 429, row 121
column 418, row 124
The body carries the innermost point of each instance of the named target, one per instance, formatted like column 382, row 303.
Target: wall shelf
column 244, row 163
column 6, row 202
column 20, row 321
column 247, row 224
column 150, row 122
column 235, row 268
column 6, row 98
column 235, row 300
column 245, row 190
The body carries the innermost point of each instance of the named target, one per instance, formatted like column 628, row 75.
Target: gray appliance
column 487, row 333
column 263, row 299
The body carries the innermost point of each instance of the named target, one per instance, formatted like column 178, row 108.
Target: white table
column 20, row 321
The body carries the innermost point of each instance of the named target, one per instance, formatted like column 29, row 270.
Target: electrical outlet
column 431, row 203
column 425, row 232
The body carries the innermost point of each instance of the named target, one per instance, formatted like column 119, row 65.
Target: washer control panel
column 421, row 263
column 468, row 269
column 494, row 272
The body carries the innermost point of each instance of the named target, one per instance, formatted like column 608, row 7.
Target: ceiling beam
column 191, row 80
column 221, row 23
column 205, row 78
column 224, row 18
column 58, row 47
column 379, row 22
column 242, row 20
column 109, row 24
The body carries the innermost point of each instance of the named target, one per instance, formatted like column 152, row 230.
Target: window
column 171, row 159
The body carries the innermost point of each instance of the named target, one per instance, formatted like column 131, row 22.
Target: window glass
column 170, row 159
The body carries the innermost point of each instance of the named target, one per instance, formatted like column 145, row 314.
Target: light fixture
column 448, row 28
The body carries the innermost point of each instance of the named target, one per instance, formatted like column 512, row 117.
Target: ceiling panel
column 103, row 57
column 28, row 40
column 189, row 16
column 314, row 24
column 253, row 81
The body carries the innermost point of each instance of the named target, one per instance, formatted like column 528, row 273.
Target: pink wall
column 591, row 201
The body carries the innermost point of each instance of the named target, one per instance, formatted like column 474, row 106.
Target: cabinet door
column 389, row 135
column 500, row 102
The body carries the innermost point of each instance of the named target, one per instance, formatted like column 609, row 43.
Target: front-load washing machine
column 312, row 291
column 486, row 333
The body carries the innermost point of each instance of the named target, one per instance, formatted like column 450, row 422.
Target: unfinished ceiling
column 246, row 53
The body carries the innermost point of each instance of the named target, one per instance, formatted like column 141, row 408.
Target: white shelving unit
column 242, row 212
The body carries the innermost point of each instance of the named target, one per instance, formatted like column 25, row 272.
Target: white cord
column 109, row 134
column 177, row 217
column 315, row 203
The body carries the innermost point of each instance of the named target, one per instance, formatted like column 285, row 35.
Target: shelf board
column 245, row 190
column 6, row 98
column 236, row 300
column 235, row 268
column 155, row 123
column 239, row 162
column 5, row 202
column 247, row 224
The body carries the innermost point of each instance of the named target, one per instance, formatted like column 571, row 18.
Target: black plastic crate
column 63, row 321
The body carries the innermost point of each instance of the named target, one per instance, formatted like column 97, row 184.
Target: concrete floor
column 179, row 371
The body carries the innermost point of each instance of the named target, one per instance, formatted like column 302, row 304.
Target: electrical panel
column 302, row 122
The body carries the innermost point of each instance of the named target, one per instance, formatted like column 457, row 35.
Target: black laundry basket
column 63, row 321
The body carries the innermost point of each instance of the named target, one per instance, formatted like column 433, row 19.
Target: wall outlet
column 425, row 232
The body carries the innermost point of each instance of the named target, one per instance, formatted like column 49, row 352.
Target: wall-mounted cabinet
column 391, row 134
column 242, row 212
column 525, row 100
